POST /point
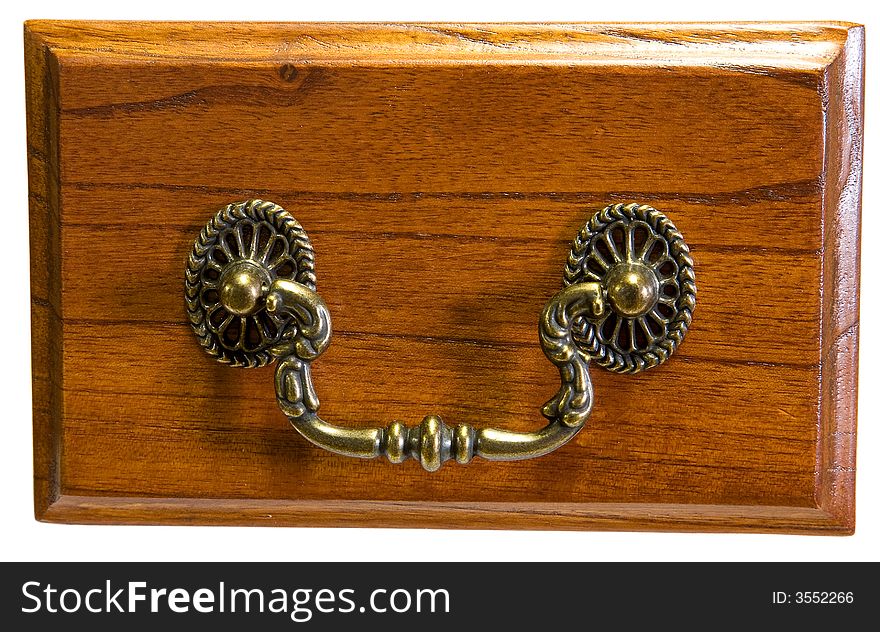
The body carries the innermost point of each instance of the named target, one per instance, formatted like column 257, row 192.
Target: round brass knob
column 243, row 287
column 632, row 288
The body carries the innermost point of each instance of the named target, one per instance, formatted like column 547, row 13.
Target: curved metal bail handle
column 432, row 442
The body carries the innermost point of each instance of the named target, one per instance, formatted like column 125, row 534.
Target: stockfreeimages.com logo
column 301, row 604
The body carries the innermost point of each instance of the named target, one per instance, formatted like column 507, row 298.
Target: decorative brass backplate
column 638, row 255
column 243, row 249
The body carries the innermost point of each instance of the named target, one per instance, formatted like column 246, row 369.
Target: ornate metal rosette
column 646, row 270
column 242, row 250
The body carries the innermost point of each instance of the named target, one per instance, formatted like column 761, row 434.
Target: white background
column 22, row 538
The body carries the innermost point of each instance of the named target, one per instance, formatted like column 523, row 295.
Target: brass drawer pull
column 629, row 296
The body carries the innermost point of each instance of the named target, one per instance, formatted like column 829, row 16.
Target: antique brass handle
column 628, row 301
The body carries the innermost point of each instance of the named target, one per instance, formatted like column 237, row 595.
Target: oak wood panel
column 441, row 171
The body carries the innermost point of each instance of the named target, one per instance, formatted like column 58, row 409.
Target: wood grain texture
column 441, row 172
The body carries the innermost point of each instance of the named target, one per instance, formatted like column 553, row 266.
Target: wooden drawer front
column 441, row 173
